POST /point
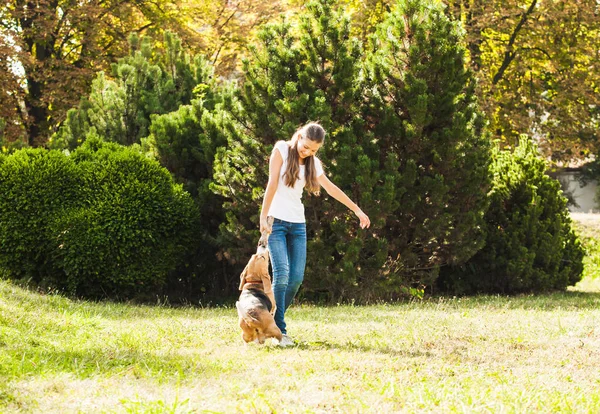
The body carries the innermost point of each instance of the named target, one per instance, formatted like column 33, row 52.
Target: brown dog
column 256, row 304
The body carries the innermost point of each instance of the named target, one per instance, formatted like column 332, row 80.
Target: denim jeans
column 287, row 246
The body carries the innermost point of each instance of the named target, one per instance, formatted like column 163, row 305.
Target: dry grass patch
column 485, row 354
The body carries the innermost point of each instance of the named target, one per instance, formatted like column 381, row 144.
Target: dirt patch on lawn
column 587, row 219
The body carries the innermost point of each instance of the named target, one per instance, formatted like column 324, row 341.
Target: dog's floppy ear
column 268, row 289
column 266, row 280
column 243, row 276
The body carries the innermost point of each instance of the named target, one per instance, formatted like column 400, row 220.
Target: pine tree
column 313, row 74
column 405, row 141
column 424, row 111
column 149, row 81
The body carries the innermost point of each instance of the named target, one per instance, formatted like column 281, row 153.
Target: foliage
column 50, row 49
column 137, row 228
column 366, row 15
column 587, row 227
column 424, row 111
column 294, row 78
column 10, row 95
column 537, row 63
column 170, row 103
column 185, row 142
column 147, row 82
column 538, row 66
column 103, row 222
column 35, row 186
column 226, row 27
column 530, row 245
column 536, row 60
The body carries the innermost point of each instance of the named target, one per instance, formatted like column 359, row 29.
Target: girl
column 292, row 167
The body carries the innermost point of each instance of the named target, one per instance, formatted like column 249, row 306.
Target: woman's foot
column 286, row 341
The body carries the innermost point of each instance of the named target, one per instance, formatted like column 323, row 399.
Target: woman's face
column 306, row 147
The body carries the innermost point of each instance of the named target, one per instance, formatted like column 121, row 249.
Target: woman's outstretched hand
column 364, row 219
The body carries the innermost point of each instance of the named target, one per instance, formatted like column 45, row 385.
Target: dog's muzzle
column 261, row 249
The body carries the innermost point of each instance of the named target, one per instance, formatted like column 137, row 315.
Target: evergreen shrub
column 185, row 142
column 103, row 222
column 135, row 228
column 35, row 186
column 147, row 82
column 293, row 77
column 530, row 244
column 424, row 110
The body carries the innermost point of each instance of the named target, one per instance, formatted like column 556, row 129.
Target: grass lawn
column 483, row 354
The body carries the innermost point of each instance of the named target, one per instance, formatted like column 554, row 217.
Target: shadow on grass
column 353, row 347
column 29, row 298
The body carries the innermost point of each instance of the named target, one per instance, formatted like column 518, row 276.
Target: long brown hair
column 315, row 133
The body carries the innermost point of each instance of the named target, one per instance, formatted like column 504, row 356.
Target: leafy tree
column 227, row 27
column 147, row 82
column 530, row 244
column 538, row 66
column 10, row 96
column 49, row 50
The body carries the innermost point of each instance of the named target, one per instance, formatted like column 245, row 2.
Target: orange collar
column 254, row 283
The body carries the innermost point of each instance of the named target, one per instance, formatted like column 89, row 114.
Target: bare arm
column 334, row 191
column 275, row 163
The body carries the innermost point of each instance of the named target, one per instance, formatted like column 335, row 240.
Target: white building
column 582, row 198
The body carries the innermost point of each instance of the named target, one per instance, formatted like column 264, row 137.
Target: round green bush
column 135, row 227
column 530, row 244
column 103, row 222
column 35, row 184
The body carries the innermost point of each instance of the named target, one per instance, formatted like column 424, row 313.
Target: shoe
column 286, row 341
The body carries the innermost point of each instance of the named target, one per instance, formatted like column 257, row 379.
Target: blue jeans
column 287, row 246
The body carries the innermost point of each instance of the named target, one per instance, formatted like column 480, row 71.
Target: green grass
column 482, row 354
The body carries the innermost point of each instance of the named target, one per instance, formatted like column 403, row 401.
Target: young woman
column 292, row 167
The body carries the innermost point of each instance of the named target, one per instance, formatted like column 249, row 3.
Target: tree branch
column 144, row 27
column 219, row 14
column 509, row 54
column 538, row 50
column 227, row 20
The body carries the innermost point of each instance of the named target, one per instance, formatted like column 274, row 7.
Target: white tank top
column 287, row 202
